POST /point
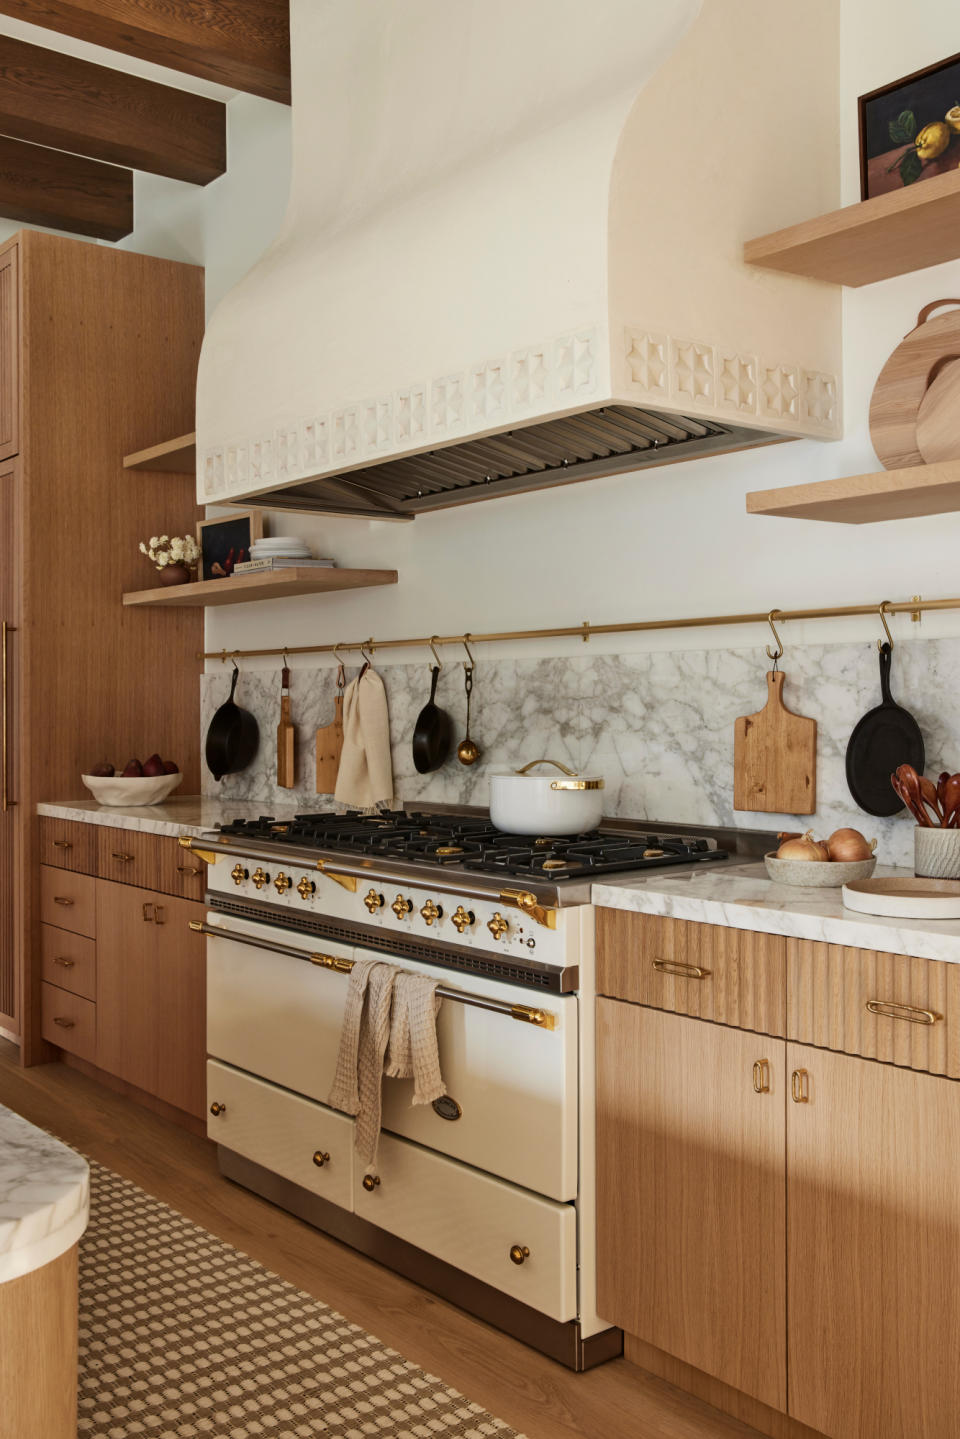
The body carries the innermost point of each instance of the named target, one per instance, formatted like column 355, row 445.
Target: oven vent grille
column 467, row 961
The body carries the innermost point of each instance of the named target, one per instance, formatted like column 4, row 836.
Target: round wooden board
column 902, row 384
column 904, row 898
column 938, row 419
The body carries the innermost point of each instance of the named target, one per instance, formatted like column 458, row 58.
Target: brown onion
column 805, row 848
column 846, row 846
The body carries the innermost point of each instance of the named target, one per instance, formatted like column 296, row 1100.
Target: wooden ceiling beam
column 244, row 44
column 53, row 99
column 64, row 192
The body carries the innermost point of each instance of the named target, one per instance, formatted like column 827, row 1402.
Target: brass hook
column 433, row 646
column 368, row 658
column 338, row 656
column 469, row 655
column 778, row 655
column 886, row 627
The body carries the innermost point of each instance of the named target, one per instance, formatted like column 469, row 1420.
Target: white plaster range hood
column 512, row 252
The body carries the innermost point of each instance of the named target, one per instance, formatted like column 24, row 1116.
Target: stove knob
column 462, row 918
column 260, row 877
column 497, row 926
column 306, row 888
column 238, row 874
column 282, row 883
column 431, row 911
column 373, row 901
column 401, row 907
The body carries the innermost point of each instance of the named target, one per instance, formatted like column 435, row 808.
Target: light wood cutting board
column 329, row 748
column 903, row 382
column 938, row 420
column 286, row 737
column 775, row 757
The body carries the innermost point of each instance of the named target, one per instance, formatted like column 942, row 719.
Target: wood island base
column 38, row 1352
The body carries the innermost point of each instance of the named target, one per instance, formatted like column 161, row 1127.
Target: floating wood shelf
column 892, row 234
column 178, row 456
column 267, row 585
column 864, row 499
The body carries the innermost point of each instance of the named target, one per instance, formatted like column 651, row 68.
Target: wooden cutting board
column 286, row 737
column 938, row 420
column 329, row 747
column 903, row 382
column 775, row 757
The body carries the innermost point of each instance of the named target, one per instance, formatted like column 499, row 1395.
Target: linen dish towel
column 412, row 1050
column 358, row 1077
column 365, row 779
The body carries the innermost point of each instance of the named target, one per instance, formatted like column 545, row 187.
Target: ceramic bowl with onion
column 817, row 874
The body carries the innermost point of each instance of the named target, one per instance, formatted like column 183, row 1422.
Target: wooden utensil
column 286, row 736
column 928, row 793
column 906, row 784
column 903, row 381
column 330, row 742
column 951, row 802
column 775, row 757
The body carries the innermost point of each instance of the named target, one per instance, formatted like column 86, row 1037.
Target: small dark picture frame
column 925, row 107
column 225, row 542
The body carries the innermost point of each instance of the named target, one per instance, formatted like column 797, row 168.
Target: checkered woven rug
column 182, row 1336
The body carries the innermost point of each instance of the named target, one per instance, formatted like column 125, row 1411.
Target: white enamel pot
column 543, row 804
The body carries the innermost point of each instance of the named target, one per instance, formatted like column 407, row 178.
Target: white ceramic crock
column 523, row 803
column 936, row 852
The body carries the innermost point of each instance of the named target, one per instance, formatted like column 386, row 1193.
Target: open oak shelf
column 876, row 239
column 178, row 456
column 267, row 585
column 863, row 499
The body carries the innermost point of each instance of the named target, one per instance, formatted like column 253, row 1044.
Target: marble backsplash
column 657, row 725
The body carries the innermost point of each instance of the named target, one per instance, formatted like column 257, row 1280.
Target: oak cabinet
column 151, row 994
column 11, row 843
column 691, row 1222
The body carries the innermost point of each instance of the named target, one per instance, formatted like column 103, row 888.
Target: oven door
column 511, row 1106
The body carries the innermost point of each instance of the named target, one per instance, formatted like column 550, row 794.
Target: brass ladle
column 468, row 752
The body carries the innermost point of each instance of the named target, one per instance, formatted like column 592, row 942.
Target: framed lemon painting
column 910, row 129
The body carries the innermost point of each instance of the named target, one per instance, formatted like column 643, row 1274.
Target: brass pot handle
column 685, row 971
column 580, row 784
column 571, row 773
column 890, row 1009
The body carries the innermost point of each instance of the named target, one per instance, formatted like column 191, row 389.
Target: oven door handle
column 525, row 1013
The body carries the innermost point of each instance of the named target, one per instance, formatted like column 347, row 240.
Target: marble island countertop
column 740, row 896
column 44, row 1197
column 187, row 814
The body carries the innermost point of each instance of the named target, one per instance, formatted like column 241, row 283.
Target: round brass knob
column 370, row 1182
column 216, row 1108
column 373, row 901
column 519, row 1252
column 306, row 888
column 497, row 926
column 320, row 1159
column 461, row 918
column 401, row 907
column 282, row 883
column 238, row 874
column 260, row 877
column 431, row 911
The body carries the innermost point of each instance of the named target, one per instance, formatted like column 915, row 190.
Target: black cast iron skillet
column 431, row 735
column 884, row 738
column 233, row 737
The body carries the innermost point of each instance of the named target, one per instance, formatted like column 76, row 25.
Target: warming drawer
column 512, row 1085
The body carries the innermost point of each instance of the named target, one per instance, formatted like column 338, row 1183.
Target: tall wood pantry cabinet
column 98, row 358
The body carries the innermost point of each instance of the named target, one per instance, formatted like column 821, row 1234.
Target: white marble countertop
column 742, row 897
column 187, row 814
column 44, row 1197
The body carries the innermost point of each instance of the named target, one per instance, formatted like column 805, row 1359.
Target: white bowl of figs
column 137, row 784
column 822, row 863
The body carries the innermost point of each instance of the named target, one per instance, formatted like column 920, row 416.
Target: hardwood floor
column 538, row 1397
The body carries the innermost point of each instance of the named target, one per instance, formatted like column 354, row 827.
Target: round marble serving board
column 904, row 898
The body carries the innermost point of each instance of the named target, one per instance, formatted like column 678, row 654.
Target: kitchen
column 621, row 1207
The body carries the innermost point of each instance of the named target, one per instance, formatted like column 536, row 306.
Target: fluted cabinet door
column 10, row 816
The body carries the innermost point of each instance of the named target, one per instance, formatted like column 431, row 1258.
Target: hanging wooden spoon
column 913, row 803
column 951, row 802
column 928, row 793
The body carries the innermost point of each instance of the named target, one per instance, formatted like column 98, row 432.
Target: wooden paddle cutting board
column 329, row 748
column 286, row 737
column 775, row 757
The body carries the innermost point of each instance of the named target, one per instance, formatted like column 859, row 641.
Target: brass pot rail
column 586, row 630
column 527, row 1014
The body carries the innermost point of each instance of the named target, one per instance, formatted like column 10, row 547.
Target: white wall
column 673, row 541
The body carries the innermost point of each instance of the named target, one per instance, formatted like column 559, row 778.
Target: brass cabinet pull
column 59, row 899
column 158, row 914
column 761, row 1076
column 64, row 1023
column 519, row 1252
column 800, row 1086
column 148, row 913
column 62, row 844
column 320, row 1159
column 67, row 963
column 370, row 1182
column 193, row 869
column 890, row 1009
column 6, row 802
column 217, row 1108
column 121, row 855
column 685, row 971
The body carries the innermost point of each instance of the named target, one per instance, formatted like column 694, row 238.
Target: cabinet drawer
column 181, row 873
column 69, row 961
column 68, row 844
column 68, row 901
column 472, row 1221
column 892, row 1007
column 288, row 1135
column 129, row 857
column 729, row 976
column 68, row 1021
